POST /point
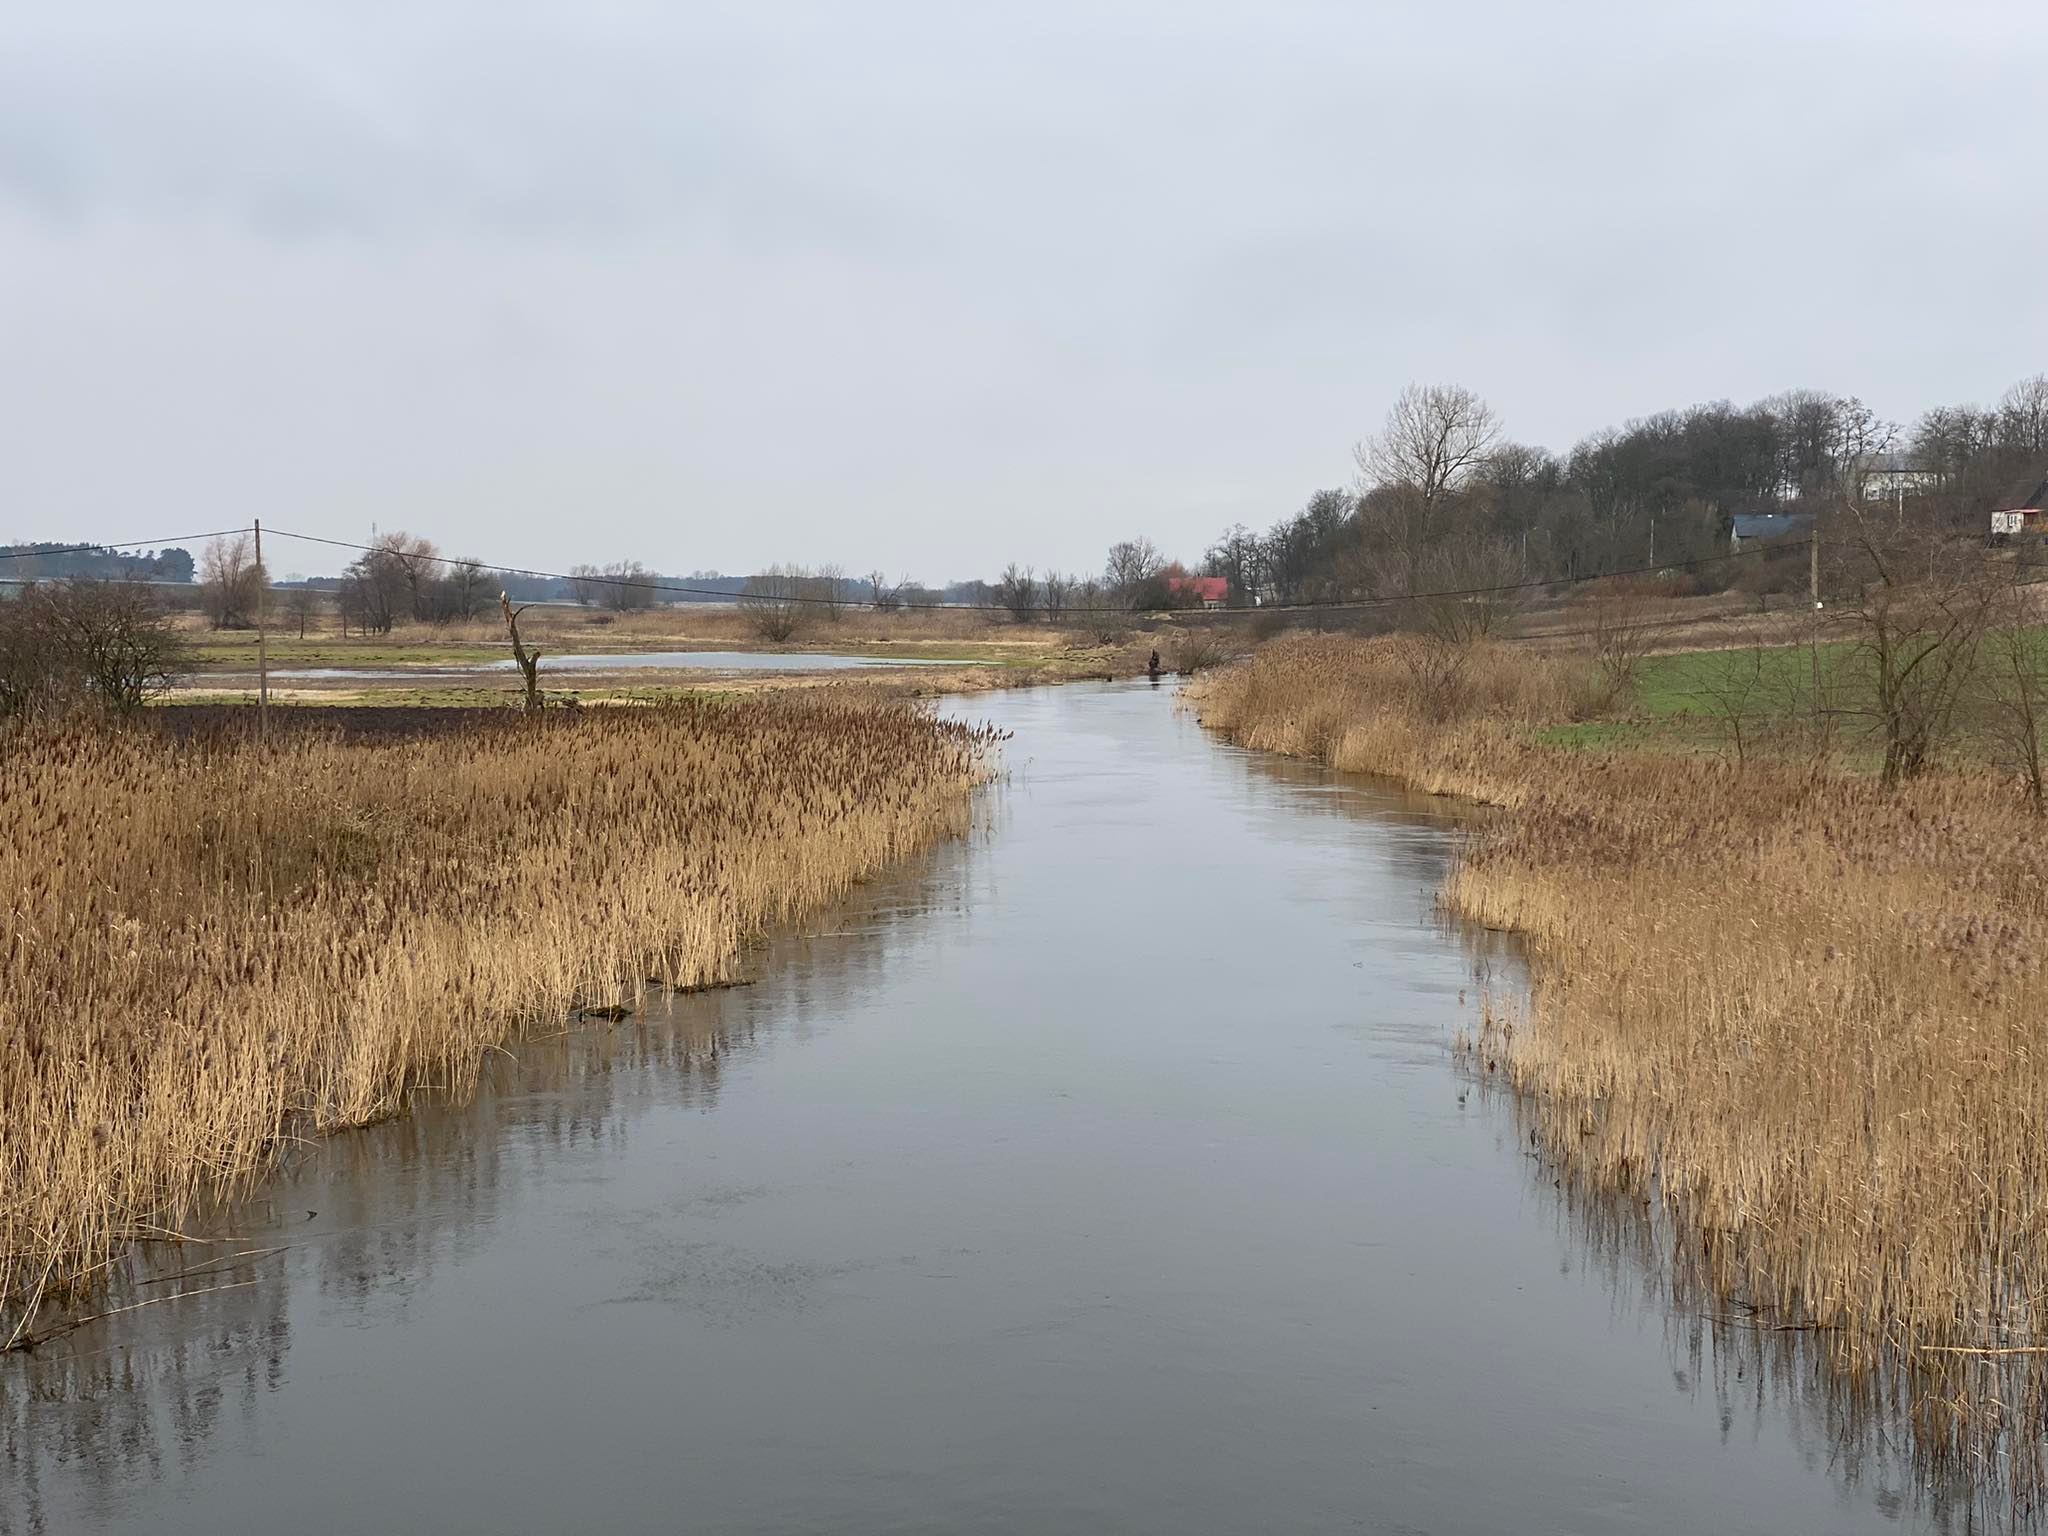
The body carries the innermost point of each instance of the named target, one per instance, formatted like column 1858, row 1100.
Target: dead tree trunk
column 529, row 661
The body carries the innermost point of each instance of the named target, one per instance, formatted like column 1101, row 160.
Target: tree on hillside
column 2023, row 418
column 1434, row 440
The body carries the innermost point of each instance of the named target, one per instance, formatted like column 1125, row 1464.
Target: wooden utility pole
column 262, row 639
column 1813, row 619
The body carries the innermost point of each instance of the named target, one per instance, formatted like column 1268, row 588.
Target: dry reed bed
column 211, row 946
column 1804, row 1014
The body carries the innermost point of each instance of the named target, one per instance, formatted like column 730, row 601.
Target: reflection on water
column 1106, row 1172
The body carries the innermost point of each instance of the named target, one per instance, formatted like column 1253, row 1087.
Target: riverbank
column 1798, row 1012
column 595, row 656
column 216, row 947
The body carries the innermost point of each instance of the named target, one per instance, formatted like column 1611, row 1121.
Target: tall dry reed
column 211, row 946
column 1800, row 1012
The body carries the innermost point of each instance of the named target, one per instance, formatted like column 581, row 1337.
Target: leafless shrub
column 774, row 602
column 1268, row 622
column 1736, row 690
column 99, row 641
column 1436, row 668
column 1621, row 636
column 1107, row 620
column 1200, row 649
column 1468, row 590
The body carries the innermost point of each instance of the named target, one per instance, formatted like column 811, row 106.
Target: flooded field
column 625, row 661
column 1110, row 1172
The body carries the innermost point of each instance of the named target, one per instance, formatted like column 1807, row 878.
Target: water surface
column 628, row 661
column 1106, row 1173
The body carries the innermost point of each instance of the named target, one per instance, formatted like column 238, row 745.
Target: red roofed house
column 1209, row 591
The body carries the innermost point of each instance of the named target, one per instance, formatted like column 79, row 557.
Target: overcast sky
column 937, row 286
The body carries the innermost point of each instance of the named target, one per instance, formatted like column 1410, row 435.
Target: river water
column 1107, row 1172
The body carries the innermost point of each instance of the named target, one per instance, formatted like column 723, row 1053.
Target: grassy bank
column 213, row 946
column 1795, row 1013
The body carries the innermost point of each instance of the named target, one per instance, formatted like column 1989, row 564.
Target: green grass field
column 1692, row 701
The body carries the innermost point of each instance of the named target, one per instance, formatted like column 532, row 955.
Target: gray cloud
column 936, row 286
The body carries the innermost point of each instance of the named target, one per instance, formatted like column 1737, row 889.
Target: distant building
column 1751, row 528
column 1209, row 591
column 1892, row 478
column 2024, row 508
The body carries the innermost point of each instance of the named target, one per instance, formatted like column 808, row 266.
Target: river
column 1109, row 1171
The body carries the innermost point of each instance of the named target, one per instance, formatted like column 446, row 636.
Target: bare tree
column 2012, row 692
column 299, row 605
column 466, row 590
column 884, row 595
column 1054, row 588
column 108, row 641
column 2023, row 417
column 584, row 584
column 1238, row 557
column 1621, row 636
column 528, row 661
column 1017, row 593
column 774, row 602
column 1435, row 439
column 1920, row 603
column 828, row 592
column 626, row 586
column 1734, row 686
column 230, row 583
column 1132, row 573
column 416, row 563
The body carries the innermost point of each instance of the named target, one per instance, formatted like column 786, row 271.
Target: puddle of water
column 630, row 661
column 1106, row 1174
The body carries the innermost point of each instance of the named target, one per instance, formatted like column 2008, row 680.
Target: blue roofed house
column 1752, row 528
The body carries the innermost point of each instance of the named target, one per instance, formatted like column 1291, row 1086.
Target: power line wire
column 108, row 547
